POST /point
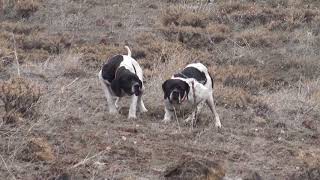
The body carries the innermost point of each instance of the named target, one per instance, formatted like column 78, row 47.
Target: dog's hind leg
column 141, row 106
column 116, row 103
column 106, row 89
column 210, row 103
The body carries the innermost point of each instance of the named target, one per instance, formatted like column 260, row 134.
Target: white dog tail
column 129, row 51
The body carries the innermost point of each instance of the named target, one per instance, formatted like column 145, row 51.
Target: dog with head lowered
column 122, row 76
column 194, row 86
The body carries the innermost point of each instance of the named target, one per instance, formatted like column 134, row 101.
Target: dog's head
column 128, row 83
column 175, row 90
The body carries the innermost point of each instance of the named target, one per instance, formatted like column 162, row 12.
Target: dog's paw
column 143, row 110
column 218, row 124
column 132, row 117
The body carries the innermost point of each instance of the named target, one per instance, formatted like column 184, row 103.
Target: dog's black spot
column 192, row 72
column 181, row 88
column 109, row 69
column 126, row 82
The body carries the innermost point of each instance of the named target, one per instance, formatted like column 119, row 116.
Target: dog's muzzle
column 175, row 97
column 136, row 89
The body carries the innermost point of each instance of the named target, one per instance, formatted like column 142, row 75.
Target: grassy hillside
column 264, row 56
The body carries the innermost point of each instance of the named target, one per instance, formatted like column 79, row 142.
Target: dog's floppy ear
column 185, row 87
column 165, row 88
column 115, row 86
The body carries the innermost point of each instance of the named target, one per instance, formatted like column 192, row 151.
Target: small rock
column 309, row 124
column 260, row 121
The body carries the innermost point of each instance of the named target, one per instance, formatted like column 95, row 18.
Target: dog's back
column 197, row 71
column 191, row 72
column 108, row 70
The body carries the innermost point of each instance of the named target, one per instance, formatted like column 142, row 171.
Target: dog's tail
column 129, row 51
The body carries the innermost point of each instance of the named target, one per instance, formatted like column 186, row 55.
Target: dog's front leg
column 169, row 111
column 141, row 106
column 133, row 107
column 192, row 117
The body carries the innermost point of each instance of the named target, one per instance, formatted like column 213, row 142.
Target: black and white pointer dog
column 193, row 86
column 122, row 76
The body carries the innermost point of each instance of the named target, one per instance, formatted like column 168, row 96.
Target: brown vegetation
column 37, row 149
column 263, row 56
column 19, row 97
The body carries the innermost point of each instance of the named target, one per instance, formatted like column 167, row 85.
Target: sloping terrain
column 264, row 56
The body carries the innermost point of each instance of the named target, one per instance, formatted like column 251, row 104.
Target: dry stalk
column 176, row 117
column 16, row 54
column 86, row 159
column 5, row 164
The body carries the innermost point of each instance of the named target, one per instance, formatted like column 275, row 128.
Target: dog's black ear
column 165, row 89
column 186, row 87
column 115, row 86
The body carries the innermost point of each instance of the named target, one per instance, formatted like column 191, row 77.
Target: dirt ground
column 264, row 56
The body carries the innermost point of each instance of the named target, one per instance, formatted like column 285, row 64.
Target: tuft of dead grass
column 20, row 8
column 25, row 8
column 37, row 149
column 232, row 97
column 180, row 16
column 72, row 67
column 260, row 37
column 19, row 96
column 20, row 28
column 192, row 168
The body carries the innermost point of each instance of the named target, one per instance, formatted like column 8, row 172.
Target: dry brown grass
column 19, row 96
column 93, row 56
column 19, row 28
column 25, row 8
column 263, row 56
column 198, row 169
column 20, row 8
column 37, row 149
column 260, row 38
column 232, row 97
